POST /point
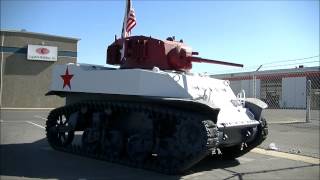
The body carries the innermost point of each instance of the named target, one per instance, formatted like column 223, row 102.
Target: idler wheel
column 139, row 146
column 59, row 131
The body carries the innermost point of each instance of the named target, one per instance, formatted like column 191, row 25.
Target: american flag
column 129, row 20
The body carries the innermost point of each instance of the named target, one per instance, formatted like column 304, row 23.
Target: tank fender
column 256, row 106
column 57, row 93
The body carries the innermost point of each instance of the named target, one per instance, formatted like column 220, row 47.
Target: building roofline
column 38, row 34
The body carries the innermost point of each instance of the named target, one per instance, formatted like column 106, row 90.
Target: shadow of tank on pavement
column 213, row 162
column 39, row 160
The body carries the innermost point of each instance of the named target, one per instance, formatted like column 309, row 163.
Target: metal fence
column 291, row 94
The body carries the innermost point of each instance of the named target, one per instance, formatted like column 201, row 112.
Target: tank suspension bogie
column 139, row 146
column 112, row 143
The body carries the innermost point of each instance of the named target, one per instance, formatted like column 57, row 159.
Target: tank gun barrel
column 202, row 60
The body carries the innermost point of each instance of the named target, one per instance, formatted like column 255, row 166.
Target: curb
column 286, row 122
column 295, row 157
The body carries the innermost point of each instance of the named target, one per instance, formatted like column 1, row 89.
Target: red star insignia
column 66, row 79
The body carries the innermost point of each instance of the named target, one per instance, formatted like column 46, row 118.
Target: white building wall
column 258, row 85
column 247, row 86
column 235, row 86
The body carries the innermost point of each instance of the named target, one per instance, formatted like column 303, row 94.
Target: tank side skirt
column 185, row 104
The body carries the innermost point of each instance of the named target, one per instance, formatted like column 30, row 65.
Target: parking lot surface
column 25, row 154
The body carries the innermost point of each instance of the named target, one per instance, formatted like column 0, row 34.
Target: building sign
column 42, row 53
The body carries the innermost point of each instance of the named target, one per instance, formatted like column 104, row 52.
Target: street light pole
column 1, row 70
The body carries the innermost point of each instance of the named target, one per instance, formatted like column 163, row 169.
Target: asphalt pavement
column 25, row 154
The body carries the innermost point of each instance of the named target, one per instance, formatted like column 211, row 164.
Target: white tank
column 151, row 113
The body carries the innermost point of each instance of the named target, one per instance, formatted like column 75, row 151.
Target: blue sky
column 247, row 32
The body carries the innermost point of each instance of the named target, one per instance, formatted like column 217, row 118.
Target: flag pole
column 124, row 32
column 125, row 18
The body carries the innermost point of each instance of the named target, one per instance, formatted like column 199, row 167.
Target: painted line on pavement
column 40, row 117
column 284, row 155
column 12, row 108
column 12, row 121
column 35, row 124
column 195, row 175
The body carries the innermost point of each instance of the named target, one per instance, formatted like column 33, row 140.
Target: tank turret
column 147, row 52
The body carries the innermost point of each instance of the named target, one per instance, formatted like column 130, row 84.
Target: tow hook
column 243, row 145
column 247, row 135
column 224, row 135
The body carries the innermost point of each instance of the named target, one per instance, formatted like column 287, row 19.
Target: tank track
column 166, row 165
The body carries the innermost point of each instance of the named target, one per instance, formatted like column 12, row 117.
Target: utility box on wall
column 294, row 92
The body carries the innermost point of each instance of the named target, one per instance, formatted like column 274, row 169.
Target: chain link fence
column 292, row 95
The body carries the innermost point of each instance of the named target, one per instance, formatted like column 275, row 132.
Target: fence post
column 254, row 79
column 308, row 108
column 254, row 85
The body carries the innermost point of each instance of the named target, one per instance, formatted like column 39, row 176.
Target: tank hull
column 215, row 93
